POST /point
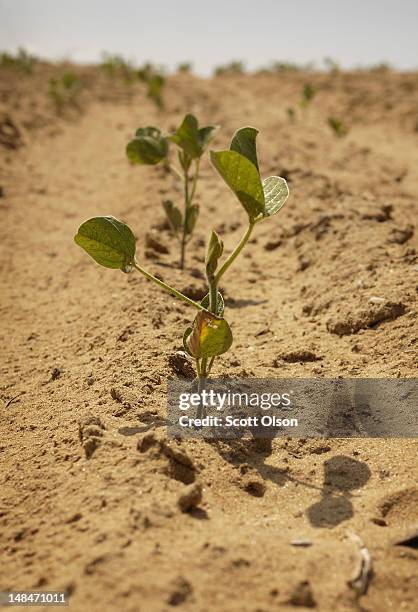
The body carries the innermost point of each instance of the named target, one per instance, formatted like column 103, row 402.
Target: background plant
column 155, row 82
column 65, row 91
column 185, row 67
column 338, row 126
column 22, row 61
column 308, row 94
column 112, row 244
column 117, row 66
column 234, row 67
column 151, row 147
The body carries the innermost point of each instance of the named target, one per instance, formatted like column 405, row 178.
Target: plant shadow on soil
column 342, row 474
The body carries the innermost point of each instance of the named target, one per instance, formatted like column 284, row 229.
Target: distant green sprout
column 332, row 66
column 381, row 67
column 185, row 67
column 112, row 244
column 151, row 147
column 117, row 66
column 22, row 61
column 308, row 94
column 155, row 82
column 291, row 113
column 234, row 67
column 65, row 91
column 338, row 126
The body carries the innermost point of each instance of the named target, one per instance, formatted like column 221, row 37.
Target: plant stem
column 235, row 252
column 195, row 179
column 213, row 295
column 188, row 200
column 210, row 364
column 186, row 210
column 167, row 288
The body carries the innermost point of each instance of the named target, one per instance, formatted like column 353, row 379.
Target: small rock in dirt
column 90, row 429
column 190, row 498
column 304, row 263
column 74, row 518
column 377, row 300
column 254, row 485
column 297, row 356
column 153, row 243
column 302, row 596
column 379, row 521
column 181, row 365
column 181, row 591
column 301, row 542
column 273, row 244
column 56, row 373
column 376, row 213
column 400, row 236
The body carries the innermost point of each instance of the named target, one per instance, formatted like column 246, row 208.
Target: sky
column 352, row 32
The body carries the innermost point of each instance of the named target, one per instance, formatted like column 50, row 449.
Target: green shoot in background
column 117, row 66
column 338, row 127
column 65, row 91
column 112, row 244
column 151, row 147
column 22, row 61
column 308, row 94
column 155, row 82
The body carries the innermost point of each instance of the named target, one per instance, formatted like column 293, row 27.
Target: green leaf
column 191, row 217
column 155, row 84
column 206, row 135
column 190, row 138
column 185, row 160
column 174, row 215
column 244, row 142
column 210, row 336
column 148, row 147
column 276, row 193
column 108, row 241
column 242, row 177
column 220, row 305
column 213, row 253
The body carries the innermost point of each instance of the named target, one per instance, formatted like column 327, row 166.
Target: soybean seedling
column 185, row 67
column 65, row 91
column 291, row 113
column 112, row 244
column 151, row 147
column 234, row 67
column 308, row 93
column 22, row 61
column 116, row 65
column 338, row 127
column 155, row 83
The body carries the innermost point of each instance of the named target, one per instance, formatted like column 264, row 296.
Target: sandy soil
column 88, row 503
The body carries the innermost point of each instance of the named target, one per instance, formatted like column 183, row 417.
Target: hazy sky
column 208, row 33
